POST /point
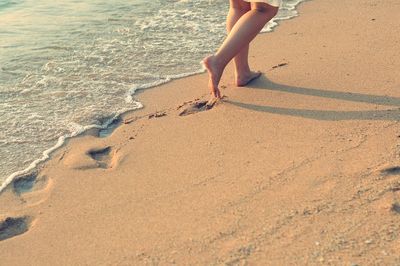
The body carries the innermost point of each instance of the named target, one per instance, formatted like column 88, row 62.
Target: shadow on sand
column 266, row 84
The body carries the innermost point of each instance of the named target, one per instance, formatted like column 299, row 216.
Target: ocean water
column 66, row 66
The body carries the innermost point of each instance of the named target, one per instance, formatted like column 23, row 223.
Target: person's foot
column 214, row 73
column 243, row 80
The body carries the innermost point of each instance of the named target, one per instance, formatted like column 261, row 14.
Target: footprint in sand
column 198, row 106
column 11, row 227
column 101, row 156
column 105, row 132
column 157, row 115
column 29, row 182
column 396, row 208
column 391, row 171
column 93, row 157
column 24, row 183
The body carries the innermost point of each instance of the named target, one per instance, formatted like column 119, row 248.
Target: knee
column 266, row 9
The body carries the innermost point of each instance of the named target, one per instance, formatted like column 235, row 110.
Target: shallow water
column 68, row 66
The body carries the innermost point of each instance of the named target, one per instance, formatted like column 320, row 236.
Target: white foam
column 274, row 22
column 136, row 87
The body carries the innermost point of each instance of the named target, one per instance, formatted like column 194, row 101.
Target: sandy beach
column 302, row 167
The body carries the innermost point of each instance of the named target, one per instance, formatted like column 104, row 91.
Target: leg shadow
column 264, row 83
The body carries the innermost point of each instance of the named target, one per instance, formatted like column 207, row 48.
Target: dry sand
column 301, row 167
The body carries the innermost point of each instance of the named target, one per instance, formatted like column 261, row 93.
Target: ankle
column 219, row 61
column 242, row 72
column 241, row 68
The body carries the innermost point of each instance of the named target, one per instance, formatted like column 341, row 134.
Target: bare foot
column 214, row 74
column 247, row 78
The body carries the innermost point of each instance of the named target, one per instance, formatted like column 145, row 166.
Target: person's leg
column 242, row 33
column 243, row 74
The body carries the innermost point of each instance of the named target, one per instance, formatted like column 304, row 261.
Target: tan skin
column 245, row 20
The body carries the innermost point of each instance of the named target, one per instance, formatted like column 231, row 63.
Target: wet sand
column 300, row 167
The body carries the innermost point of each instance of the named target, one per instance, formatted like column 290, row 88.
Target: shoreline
column 35, row 165
column 299, row 167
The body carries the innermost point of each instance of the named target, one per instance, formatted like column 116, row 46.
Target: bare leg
column 243, row 74
column 242, row 33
